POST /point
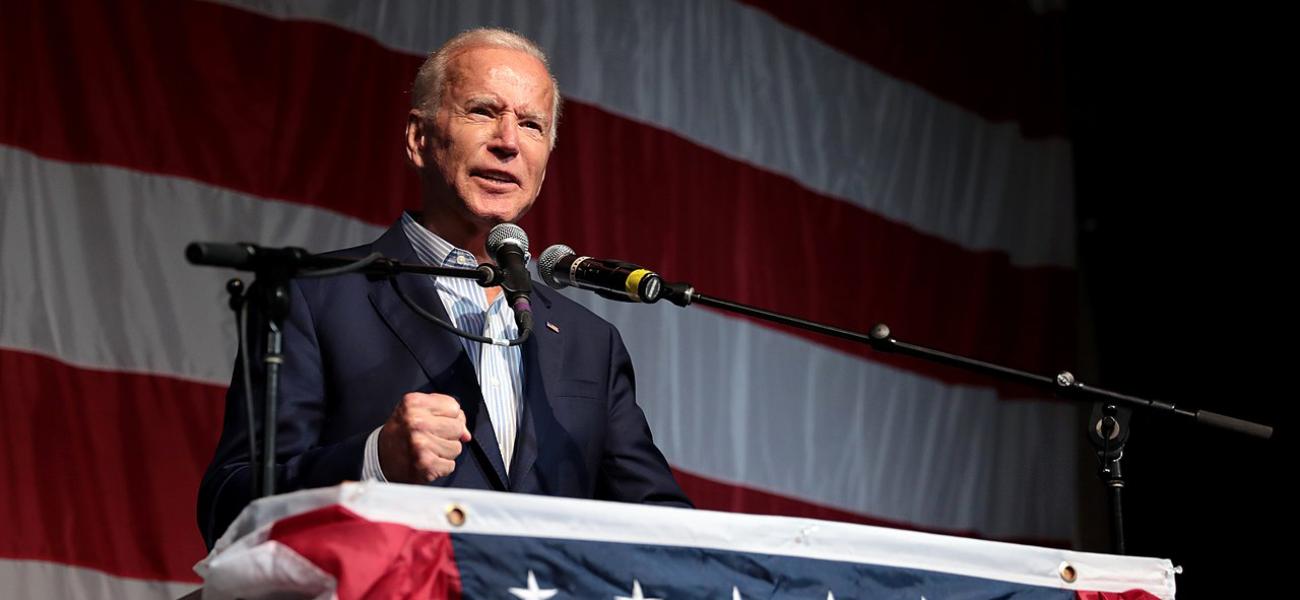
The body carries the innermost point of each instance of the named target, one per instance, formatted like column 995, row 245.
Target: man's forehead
column 480, row 75
column 498, row 62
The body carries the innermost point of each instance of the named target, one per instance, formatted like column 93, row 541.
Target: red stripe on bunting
column 1126, row 595
column 712, row 494
column 102, row 468
column 313, row 114
column 372, row 559
column 997, row 59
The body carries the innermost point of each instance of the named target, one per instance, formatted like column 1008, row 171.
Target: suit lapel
column 543, row 356
column 438, row 352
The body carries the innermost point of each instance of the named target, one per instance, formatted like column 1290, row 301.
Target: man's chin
column 492, row 211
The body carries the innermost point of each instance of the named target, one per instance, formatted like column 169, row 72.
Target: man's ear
column 417, row 142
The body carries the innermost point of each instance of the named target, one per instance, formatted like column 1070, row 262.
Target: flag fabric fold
column 363, row 540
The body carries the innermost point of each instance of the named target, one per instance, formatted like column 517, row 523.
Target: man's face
column 489, row 140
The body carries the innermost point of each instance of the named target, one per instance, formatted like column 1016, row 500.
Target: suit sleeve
column 301, row 462
column 632, row 468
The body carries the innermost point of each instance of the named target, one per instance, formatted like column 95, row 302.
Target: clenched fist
column 422, row 438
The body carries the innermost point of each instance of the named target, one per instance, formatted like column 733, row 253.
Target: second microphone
column 561, row 267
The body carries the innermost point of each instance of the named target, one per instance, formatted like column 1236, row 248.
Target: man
column 369, row 390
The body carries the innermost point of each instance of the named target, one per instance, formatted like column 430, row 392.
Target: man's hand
column 422, row 438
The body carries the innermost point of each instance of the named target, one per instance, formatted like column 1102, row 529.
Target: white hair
column 431, row 79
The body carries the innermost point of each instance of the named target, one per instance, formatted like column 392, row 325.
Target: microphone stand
column 1108, row 431
column 269, row 294
column 1108, row 434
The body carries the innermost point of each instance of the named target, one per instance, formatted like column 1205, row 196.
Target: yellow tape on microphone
column 633, row 284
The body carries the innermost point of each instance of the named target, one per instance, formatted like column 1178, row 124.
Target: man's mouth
column 495, row 176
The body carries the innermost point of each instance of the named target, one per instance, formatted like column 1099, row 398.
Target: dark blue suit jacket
column 352, row 348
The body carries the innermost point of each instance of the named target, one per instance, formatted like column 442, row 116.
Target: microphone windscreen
column 507, row 234
column 548, row 260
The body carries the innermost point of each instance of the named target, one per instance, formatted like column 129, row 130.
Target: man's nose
column 505, row 140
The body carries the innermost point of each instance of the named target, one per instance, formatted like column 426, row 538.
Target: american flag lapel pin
column 553, row 327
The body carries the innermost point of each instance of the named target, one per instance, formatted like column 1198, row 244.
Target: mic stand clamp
column 235, row 287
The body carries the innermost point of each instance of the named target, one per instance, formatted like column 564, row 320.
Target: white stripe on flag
column 95, row 271
column 40, row 579
column 747, row 404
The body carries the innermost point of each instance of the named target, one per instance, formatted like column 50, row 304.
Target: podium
column 379, row 540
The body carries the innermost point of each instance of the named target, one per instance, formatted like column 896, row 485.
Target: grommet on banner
column 1068, row 573
column 456, row 515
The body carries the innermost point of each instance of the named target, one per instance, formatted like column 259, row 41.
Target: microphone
column 508, row 245
column 561, row 267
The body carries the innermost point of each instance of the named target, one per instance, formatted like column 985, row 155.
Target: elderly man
column 370, row 390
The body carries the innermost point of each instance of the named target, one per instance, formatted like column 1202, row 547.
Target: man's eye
column 533, row 125
column 480, row 110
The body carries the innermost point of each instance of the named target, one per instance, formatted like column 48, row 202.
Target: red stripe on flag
column 293, row 111
column 101, row 468
column 372, row 559
column 999, row 60
column 711, row 494
column 297, row 111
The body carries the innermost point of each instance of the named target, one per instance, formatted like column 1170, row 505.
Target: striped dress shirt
column 499, row 368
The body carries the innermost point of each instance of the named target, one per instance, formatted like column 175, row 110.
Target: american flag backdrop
column 848, row 163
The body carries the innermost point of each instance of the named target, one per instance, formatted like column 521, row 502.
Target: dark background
column 1183, row 135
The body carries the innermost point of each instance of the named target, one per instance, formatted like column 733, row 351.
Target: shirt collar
column 432, row 249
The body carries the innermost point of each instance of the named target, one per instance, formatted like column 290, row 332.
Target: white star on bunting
column 532, row 592
column 636, row 593
column 735, row 594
